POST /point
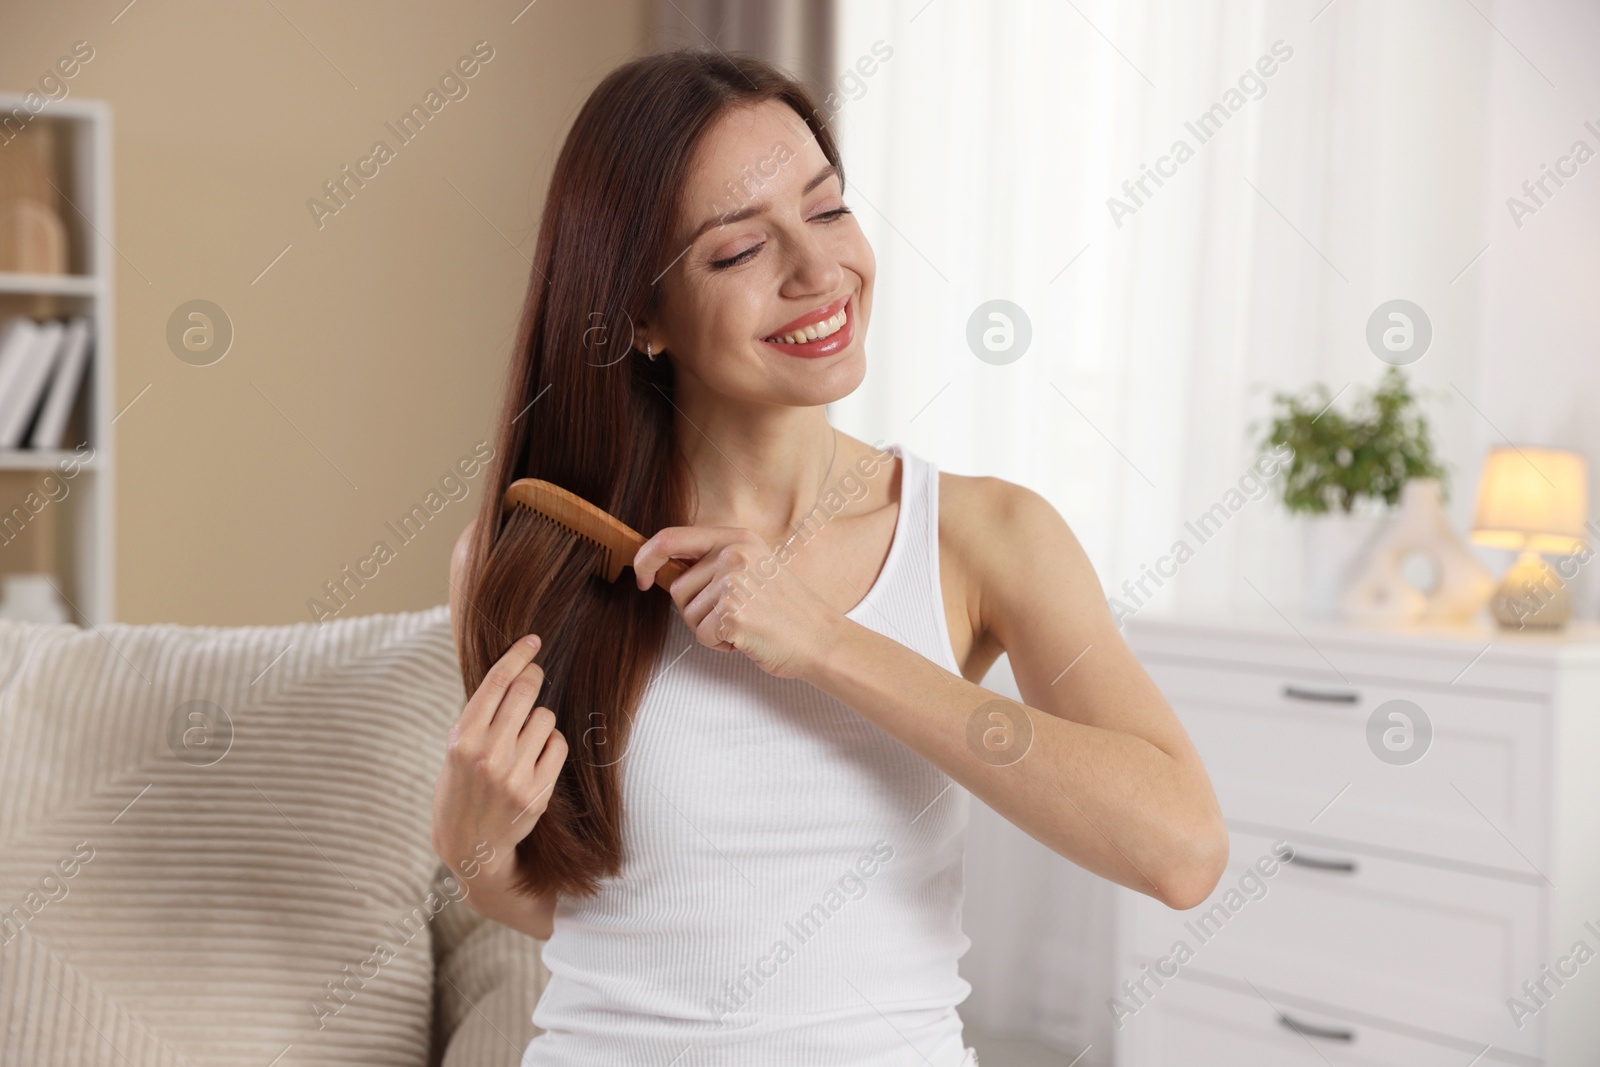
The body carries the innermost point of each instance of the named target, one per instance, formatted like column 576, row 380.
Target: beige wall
column 382, row 337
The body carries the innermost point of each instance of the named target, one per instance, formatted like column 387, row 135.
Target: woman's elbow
column 1202, row 858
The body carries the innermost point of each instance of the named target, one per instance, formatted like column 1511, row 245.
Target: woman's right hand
column 499, row 772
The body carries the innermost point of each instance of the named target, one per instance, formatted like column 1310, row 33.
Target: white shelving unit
column 71, row 536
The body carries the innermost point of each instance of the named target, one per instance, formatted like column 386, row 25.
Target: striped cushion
column 214, row 850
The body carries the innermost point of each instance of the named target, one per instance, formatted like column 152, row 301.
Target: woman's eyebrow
column 756, row 207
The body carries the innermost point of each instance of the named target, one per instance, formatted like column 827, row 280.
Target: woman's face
column 763, row 252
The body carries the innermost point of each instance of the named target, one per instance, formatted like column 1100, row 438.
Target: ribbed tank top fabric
column 791, row 885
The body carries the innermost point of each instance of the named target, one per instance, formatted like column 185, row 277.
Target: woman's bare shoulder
column 979, row 510
column 994, row 529
column 458, row 564
column 458, row 554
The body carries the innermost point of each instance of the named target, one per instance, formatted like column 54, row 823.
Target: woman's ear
column 645, row 340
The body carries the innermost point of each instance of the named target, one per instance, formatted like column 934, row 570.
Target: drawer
column 1293, row 751
column 1195, row 1024
column 1428, row 949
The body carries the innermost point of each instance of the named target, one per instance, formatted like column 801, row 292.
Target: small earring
column 648, row 352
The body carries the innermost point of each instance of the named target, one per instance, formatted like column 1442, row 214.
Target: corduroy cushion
column 214, row 850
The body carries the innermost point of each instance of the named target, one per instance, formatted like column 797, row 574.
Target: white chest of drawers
column 1426, row 898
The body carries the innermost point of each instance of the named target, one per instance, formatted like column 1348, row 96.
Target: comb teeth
column 618, row 542
column 604, row 568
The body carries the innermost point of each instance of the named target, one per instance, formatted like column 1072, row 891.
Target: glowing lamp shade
column 1532, row 499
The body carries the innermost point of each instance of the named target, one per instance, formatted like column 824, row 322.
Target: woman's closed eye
column 825, row 218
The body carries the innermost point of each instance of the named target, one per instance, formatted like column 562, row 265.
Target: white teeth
column 812, row 333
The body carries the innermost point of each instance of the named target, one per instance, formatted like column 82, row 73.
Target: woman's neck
column 761, row 470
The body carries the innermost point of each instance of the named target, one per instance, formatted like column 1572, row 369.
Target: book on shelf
column 51, row 426
column 15, row 343
column 42, row 367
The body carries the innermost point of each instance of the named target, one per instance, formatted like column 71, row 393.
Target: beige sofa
column 214, row 850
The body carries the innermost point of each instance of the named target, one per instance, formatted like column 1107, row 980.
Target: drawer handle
column 1321, row 696
column 1316, row 1031
column 1342, row 866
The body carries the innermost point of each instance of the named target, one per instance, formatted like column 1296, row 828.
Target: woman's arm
column 493, row 898
column 1108, row 778
column 472, row 780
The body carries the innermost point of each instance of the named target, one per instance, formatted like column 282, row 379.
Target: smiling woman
column 667, row 783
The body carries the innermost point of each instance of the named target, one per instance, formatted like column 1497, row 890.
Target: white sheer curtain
column 979, row 158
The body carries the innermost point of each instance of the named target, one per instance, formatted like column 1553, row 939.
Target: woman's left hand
column 738, row 596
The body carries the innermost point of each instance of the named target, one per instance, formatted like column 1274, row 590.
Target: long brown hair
column 583, row 411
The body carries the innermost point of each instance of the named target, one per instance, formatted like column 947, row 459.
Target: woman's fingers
column 715, row 584
column 708, row 627
column 480, row 709
column 710, row 591
column 693, row 582
column 516, row 704
column 534, row 785
column 530, row 742
column 678, row 542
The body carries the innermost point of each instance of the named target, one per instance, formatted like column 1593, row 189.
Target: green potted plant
column 1348, row 470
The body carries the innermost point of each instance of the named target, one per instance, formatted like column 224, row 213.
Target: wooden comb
column 618, row 541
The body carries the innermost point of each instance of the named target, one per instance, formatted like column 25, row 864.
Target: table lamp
column 1532, row 500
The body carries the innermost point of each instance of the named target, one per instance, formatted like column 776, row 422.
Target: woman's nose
column 816, row 268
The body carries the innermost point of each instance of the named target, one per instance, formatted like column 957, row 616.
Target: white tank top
column 791, row 883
